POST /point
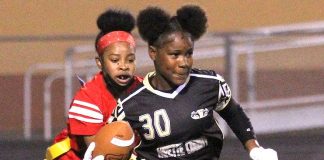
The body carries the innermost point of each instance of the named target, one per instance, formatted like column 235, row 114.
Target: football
column 114, row 141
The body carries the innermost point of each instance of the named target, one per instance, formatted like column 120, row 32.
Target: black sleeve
column 240, row 124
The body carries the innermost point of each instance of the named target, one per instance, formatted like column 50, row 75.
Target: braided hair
column 155, row 25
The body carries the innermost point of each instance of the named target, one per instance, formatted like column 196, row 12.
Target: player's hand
column 88, row 153
column 260, row 153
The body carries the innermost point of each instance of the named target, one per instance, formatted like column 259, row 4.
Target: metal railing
column 58, row 69
column 228, row 45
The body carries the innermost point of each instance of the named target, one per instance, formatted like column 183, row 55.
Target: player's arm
column 235, row 117
column 88, row 139
column 240, row 124
column 117, row 115
column 85, row 118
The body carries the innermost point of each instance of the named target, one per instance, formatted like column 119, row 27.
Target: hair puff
column 152, row 22
column 115, row 20
column 192, row 19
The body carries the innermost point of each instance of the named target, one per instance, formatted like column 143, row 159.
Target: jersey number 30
column 155, row 124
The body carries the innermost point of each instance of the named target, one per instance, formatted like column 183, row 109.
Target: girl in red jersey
column 93, row 104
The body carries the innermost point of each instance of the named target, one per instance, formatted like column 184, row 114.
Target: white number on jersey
column 161, row 131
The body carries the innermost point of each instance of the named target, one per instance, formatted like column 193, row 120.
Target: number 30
column 158, row 115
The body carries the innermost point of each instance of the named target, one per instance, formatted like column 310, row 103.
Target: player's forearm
column 240, row 124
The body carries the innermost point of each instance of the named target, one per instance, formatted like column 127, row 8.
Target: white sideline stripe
column 123, row 143
column 86, row 112
column 85, row 119
column 86, row 104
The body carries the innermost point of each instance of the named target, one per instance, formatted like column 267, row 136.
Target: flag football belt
column 58, row 149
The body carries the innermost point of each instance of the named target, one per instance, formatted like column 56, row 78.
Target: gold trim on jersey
column 172, row 95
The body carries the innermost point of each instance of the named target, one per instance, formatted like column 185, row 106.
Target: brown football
column 114, row 141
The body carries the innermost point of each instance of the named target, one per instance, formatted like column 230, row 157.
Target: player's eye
column 131, row 59
column 114, row 60
column 189, row 53
column 174, row 55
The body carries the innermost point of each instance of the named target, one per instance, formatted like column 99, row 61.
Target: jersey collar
column 172, row 95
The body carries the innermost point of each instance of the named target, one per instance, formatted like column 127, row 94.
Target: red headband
column 112, row 37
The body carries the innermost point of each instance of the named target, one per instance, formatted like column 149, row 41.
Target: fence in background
column 229, row 45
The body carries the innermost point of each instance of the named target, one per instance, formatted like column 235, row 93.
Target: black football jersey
column 178, row 124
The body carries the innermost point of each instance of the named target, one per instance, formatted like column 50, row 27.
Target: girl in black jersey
column 173, row 109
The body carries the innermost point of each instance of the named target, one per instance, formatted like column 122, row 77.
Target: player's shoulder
column 206, row 74
column 136, row 90
column 137, row 81
column 93, row 89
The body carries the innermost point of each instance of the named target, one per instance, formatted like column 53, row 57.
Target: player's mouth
column 181, row 75
column 123, row 79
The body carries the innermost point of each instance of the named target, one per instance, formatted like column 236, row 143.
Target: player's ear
column 152, row 52
column 99, row 63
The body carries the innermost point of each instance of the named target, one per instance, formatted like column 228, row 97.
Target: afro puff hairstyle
column 193, row 20
column 154, row 22
column 114, row 20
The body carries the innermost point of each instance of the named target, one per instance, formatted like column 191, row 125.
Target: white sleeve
column 224, row 95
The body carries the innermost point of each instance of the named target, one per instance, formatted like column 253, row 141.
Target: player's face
column 118, row 61
column 173, row 61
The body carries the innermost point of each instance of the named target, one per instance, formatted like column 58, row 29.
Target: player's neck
column 160, row 83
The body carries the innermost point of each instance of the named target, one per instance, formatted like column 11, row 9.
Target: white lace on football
column 123, row 143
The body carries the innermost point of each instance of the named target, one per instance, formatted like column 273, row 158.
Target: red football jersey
column 92, row 105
